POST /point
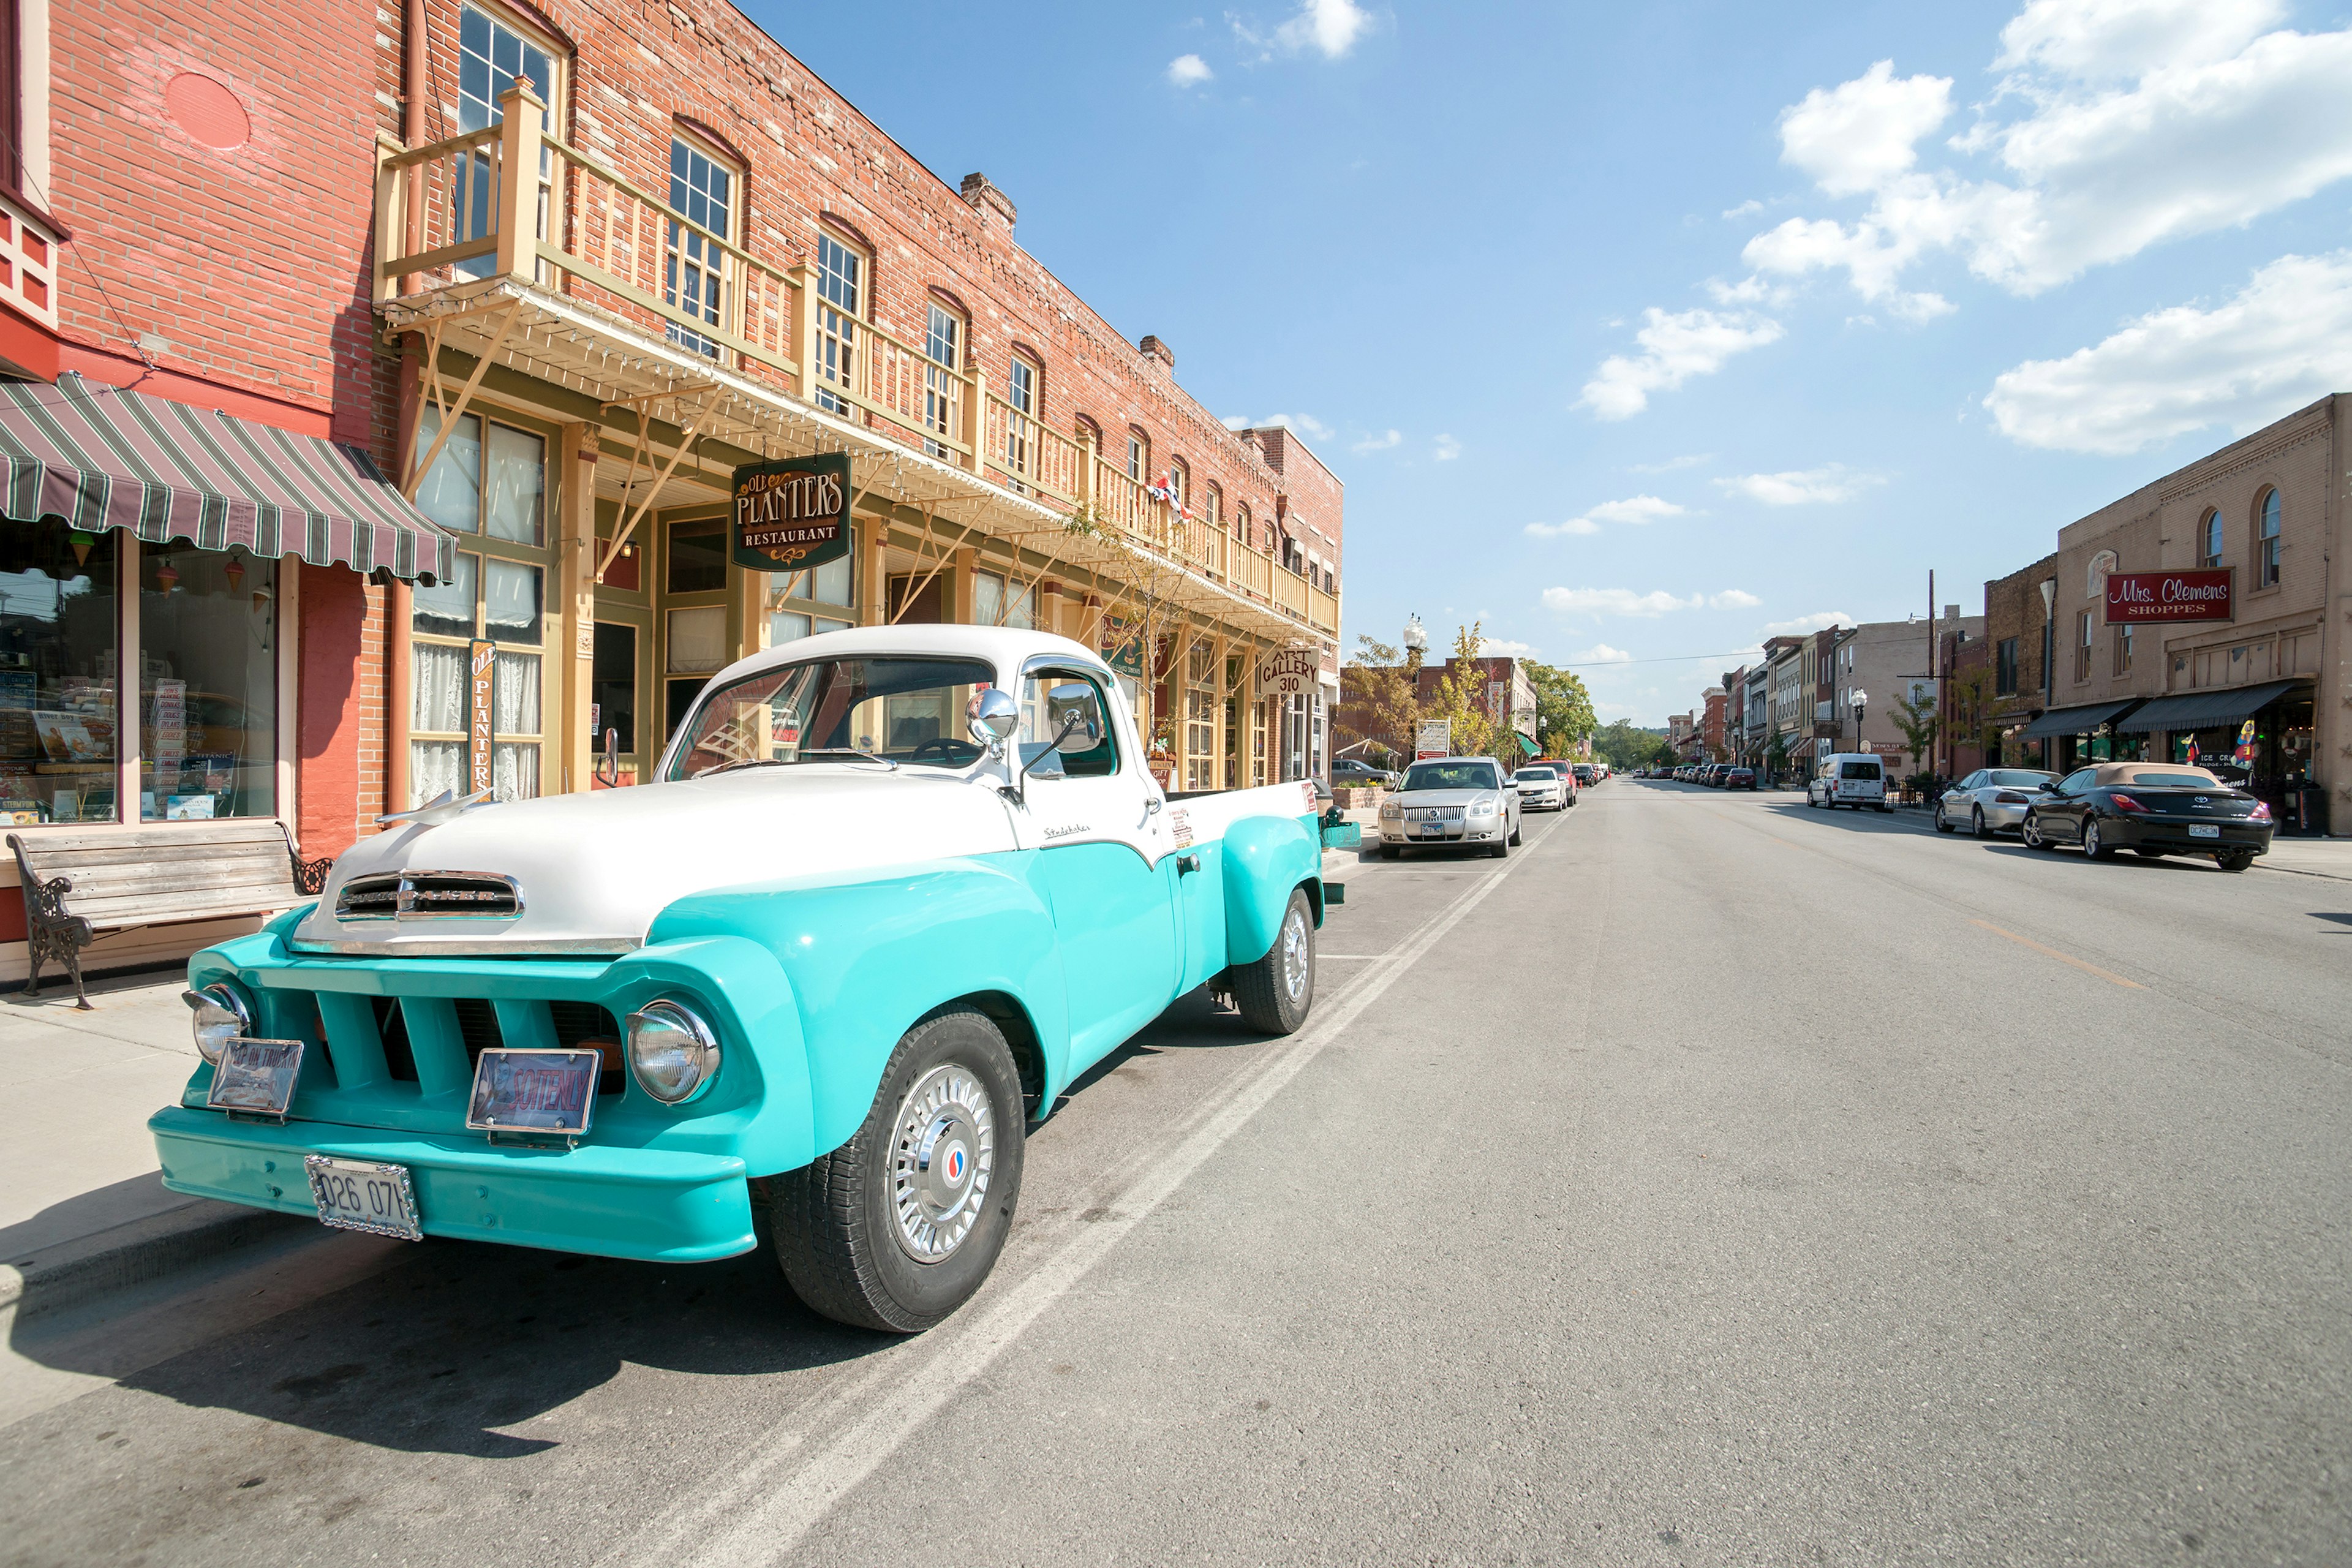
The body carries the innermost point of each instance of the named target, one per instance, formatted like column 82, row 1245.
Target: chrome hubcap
column 1295, row 956
column 943, row 1153
column 2090, row 839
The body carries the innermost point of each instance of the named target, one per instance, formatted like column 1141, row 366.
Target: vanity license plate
column 358, row 1194
column 2204, row 830
column 534, row 1091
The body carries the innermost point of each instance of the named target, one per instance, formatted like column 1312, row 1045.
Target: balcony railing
column 511, row 201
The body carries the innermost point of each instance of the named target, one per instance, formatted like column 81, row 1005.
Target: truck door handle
column 1187, row 864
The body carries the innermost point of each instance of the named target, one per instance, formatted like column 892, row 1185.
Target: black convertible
column 2151, row 809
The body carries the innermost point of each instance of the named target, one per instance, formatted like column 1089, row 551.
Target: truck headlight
column 672, row 1053
column 220, row 1015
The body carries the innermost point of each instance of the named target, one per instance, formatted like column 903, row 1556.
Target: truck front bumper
column 654, row 1205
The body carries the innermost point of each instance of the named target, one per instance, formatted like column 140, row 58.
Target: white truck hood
column 593, row 870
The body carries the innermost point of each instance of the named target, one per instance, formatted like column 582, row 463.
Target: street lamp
column 1416, row 644
column 1859, row 699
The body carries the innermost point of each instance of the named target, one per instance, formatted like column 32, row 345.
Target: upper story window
column 1024, row 388
column 702, row 189
column 943, row 346
column 2266, row 539
column 1180, row 483
column 1213, row 506
column 2004, row 664
column 2208, row 541
column 1242, row 528
column 1139, row 455
column 840, row 306
column 2082, row 645
column 492, row 51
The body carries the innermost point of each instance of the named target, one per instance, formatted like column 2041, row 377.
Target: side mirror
column 991, row 716
column 608, row 770
column 1071, row 710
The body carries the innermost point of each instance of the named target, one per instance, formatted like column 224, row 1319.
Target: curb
column 134, row 1253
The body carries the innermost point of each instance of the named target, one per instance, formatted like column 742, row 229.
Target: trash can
column 2310, row 811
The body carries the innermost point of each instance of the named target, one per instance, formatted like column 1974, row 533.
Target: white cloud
column 1615, row 602
column 1687, row 460
column 1751, row 290
column 1446, row 450
column 1862, row 134
column 1803, row 623
column 1601, row 652
column 1188, row 71
column 1803, row 487
column 1380, row 443
column 1504, row 647
column 1632, row 509
column 1329, row 27
column 1748, row 208
column 1733, row 599
column 2121, row 124
column 2283, row 341
column 1675, row 347
column 1574, row 525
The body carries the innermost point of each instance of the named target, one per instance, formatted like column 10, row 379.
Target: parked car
column 1990, row 800
column 1349, row 772
column 1451, row 800
column 2152, row 809
column 1583, row 774
column 1740, row 778
column 1849, row 778
column 891, row 892
column 1543, row 787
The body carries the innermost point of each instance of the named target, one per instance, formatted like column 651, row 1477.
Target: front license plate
column 2204, row 830
column 256, row 1076
column 534, row 1091
column 1436, row 830
column 356, row 1194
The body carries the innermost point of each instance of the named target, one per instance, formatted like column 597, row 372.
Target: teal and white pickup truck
column 890, row 892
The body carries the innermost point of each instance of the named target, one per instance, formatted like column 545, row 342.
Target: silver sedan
column 1452, row 800
column 1990, row 800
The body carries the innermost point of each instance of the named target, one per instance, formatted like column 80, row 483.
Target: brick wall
column 637, row 72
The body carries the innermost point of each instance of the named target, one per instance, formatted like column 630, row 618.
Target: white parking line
column 773, row 1495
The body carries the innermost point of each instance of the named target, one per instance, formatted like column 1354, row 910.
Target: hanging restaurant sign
column 2200, row 595
column 481, row 703
column 792, row 514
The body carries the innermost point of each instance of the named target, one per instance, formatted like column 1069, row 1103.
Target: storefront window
column 207, row 683
column 489, row 481
column 58, row 662
column 798, row 603
column 993, row 605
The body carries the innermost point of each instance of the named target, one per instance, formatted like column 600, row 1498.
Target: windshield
column 901, row 710
column 2018, row 778
column 1538, row 775
column 1450, row 776
column 2153, row 780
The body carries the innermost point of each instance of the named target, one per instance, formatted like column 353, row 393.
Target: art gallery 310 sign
column 2200, row 595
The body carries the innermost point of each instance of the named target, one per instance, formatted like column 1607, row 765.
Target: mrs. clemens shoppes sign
column 2200, row 596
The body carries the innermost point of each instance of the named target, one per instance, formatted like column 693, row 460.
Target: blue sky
column 1636, row 330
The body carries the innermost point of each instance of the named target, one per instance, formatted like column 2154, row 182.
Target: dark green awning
column 2074, row 720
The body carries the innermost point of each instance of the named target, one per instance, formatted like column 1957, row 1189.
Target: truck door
column 1104, row 866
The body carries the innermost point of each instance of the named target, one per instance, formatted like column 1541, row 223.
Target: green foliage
column 1378, row 700
column 1919, row 722
column 1626, row 748
column 1564, row 714
column 1462, row 700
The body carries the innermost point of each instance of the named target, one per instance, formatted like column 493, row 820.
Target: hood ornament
column 446, row 806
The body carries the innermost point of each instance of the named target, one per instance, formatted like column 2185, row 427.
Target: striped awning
column 96, row 457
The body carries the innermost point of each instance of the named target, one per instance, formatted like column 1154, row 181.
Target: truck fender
column 1265, row 859
column 868, row 957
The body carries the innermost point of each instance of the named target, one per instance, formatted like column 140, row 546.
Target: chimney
column 1153, row 348
column 984, row 197
column 1951, row 612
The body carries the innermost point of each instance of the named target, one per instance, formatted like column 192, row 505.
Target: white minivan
column 1849, row 778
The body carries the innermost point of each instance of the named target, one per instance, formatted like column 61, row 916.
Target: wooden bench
column 78, row 886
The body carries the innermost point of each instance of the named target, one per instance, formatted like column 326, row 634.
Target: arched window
column 1214, row 508
column 2266, row 539
column 1024, row 392
column 1242, row 528
column 842, row 288
column 1180, row 483
column 2209, row 537
column 1139, row 455
column 1086, row 430
column 943, row 347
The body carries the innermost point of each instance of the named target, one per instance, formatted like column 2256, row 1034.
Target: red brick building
column 561, row 329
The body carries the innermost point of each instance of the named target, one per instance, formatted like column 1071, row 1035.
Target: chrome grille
column 429, row 895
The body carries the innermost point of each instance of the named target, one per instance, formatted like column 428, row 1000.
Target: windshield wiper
column 737, row 763
column 847, row 752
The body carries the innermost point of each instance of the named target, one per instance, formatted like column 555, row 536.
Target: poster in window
column 481, row 705
column 792, row 514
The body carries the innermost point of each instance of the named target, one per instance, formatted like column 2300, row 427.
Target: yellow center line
column 2061, row 957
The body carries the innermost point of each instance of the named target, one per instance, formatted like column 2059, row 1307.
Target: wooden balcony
column 511, row 208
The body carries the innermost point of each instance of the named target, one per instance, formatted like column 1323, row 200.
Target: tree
column 1462, row 701
column 1970, row 719
column 1378, row 701
column 1916, row 717
column 1564, row 714
column 1626, row 748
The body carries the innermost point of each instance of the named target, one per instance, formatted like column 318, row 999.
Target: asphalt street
column 1713, row 1181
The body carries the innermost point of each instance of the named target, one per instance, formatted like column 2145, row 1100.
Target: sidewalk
column 82, row 1204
